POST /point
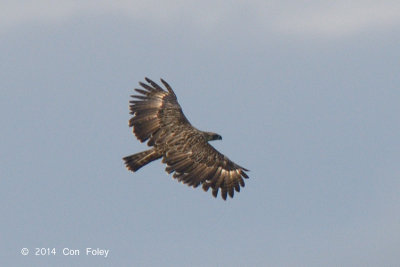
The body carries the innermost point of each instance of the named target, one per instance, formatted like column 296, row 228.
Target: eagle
column 159, row 120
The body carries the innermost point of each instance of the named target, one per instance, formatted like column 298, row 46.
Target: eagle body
column 159, row 120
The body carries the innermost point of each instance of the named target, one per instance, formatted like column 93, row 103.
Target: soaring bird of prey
column 158, row 119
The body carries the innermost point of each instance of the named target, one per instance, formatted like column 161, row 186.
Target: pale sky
column 332, row 19
column 305, row 95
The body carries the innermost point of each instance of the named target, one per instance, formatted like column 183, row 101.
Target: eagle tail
column 136, row 161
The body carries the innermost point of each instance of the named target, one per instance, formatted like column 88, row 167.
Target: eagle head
column 210, row 136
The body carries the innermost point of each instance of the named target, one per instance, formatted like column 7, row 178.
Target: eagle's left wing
column 155, row 110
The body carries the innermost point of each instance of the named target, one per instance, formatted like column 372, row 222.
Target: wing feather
column 153, row 110
column 200, row 163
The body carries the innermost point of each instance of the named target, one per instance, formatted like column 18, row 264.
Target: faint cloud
column 332, row 18
column 336, row 18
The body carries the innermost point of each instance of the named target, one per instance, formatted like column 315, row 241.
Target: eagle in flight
column 158, row 119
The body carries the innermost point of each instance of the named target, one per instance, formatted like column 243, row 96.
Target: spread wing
column 194, row 161
column 156, row 113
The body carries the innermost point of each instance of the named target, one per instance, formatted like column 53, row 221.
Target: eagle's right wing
column 194, row 161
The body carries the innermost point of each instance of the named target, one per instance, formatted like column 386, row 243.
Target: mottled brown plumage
column 159, row 120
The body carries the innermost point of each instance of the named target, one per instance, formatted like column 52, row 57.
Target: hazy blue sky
column 305, row 94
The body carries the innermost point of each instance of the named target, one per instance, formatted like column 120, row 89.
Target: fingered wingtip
column 169, row 88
